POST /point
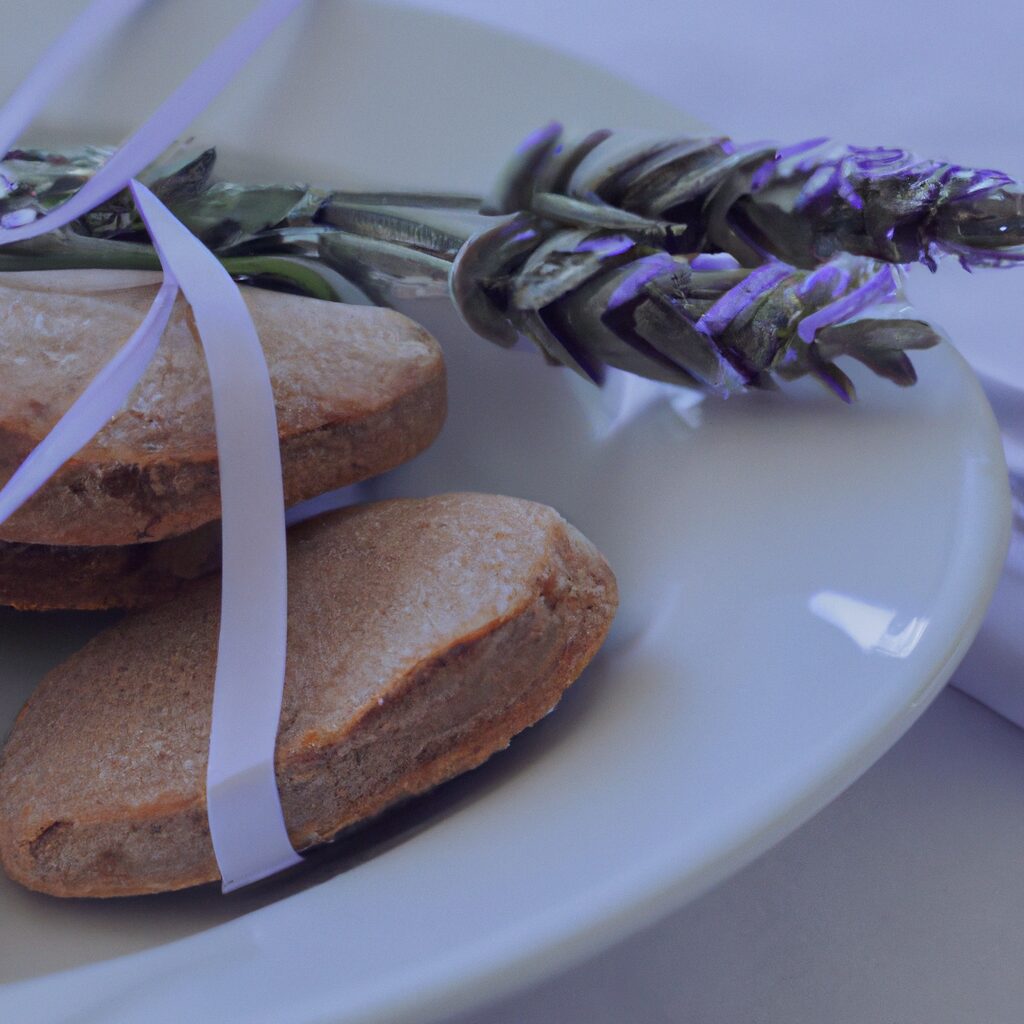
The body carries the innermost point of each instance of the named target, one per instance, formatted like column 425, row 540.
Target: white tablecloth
column 901, row 902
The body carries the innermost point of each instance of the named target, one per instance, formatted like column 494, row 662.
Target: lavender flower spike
column 809, row 204
column 588, row 300
column 802, row 204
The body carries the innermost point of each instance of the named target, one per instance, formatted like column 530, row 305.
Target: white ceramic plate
column 798, row 580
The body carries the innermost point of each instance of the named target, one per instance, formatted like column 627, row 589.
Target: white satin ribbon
column 243, row 806
column 93, row 408
column 246, row 823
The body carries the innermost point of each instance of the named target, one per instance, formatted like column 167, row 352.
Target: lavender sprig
column 589, row 300
column 808, row 203
column 803, row 204
column 559, row 258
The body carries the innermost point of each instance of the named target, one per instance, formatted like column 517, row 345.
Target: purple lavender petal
column 823, row 181
column 877, row 288
column 644, row 270
column 869, row 157
column 812, row 158
column 835, row 380
column 801, row 147
column 540, row 137
column 607, row 245
column 991, row 179
column 767, row 169
column 740, row 296
column 974, row 182
column 526, row 235
column 714, row 261
column 824, row 273
column 849, row 193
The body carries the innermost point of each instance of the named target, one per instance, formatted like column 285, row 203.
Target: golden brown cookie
column 423, row 634
column 44, row 577
column 358, row 391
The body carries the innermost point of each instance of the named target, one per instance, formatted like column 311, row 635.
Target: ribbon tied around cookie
column 247, row 828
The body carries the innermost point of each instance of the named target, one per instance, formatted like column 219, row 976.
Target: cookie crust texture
column 423, row 635
column 358, row 390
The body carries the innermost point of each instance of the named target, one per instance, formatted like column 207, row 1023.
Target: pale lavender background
column 903, row 902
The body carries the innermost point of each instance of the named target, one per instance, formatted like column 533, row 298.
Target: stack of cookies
column 133, row 516
column 422, row 634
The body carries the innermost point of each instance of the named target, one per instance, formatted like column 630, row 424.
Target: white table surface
column 902, row 902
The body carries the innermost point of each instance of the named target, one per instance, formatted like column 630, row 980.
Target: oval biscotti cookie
column 42, row 577
column 423, row 634
column 358, row 391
